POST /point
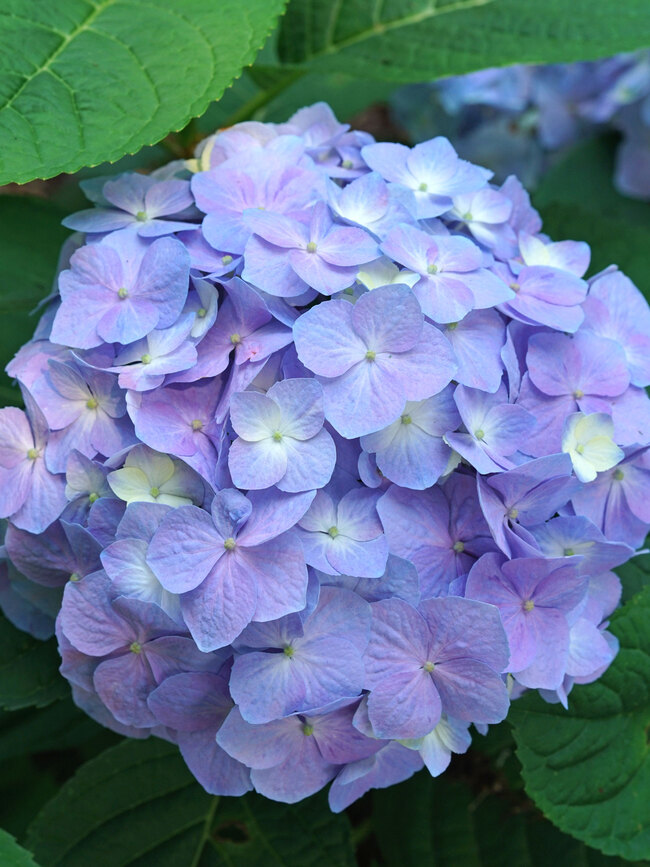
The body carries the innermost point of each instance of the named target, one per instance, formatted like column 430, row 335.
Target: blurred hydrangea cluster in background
column 328, row 451
column 519, row 119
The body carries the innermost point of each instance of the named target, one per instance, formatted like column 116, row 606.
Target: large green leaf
column 59, row 726
column 635, row 574
column 445, row 823
column 29, row 670
column 13, row 855
column 588, row 769
column 137, row 804
column 415, row 40
column 84, row 81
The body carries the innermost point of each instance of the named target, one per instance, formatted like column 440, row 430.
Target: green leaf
column 577, row 200
column 588, row 769
column 30, row 243
column 13, row 855
column 137, row 804
column 445, row 823
column 86, row 81
column 635, row 574
column 29, row 670
column 415, row 40
column 59, row 726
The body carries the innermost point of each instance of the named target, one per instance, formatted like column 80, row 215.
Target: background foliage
column 136, row 82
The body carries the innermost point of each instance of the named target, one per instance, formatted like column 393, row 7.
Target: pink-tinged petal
column 427, row 368
column 16, row 437
column 257, row 465
column 216, row 771
column 404, row 705
column 319, row 274
column 184, row 549
column 471, row 691
column 309, row 463
column 72, row 329
column 269, row 268
column 537, row 311
column 363, row 559
column 444, row 298
column 604, row 369
column 274, row 512
column 45, row 500
column 277, row 229
column 89, row 621
column 345, row 246
column 326, row 341
column 410, row 247
column 552, row 637
column 477, row 341
column 388, row 319
column 263, row 746
column 15, row 485
column 588, row 649
column 167, row 197
column 279, row 570
column 362, row 400
column 302, row 774
column 390, row 161
column 342, row 614
column 219, row 609
column 301, row 404
column 462, row 626
column 124, row 684
column 399, row 641
column 357, row 515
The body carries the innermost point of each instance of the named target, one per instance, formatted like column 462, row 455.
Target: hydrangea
column 326, row 456
column 518, row 118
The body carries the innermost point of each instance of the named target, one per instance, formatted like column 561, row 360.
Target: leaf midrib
column 379, row 28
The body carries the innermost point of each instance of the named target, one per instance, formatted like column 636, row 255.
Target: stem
column 360, row 833
column 264, row 97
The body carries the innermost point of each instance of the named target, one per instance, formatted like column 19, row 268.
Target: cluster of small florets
column 518, row 118
column 327, row 454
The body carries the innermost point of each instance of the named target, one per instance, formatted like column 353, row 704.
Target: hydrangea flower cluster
column 517, row 118
column 313, row 473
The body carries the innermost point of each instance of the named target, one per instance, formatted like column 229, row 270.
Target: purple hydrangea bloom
column 286, row 256
column 285, row 516
column 411, row 451
column 85, row 410
column 293, row 667
column 441, row 531
column 119, row 290
column 147, row 205
column 30, row 494
column 294, row 757
column 372, row 357
column 241, row 563
column 494, row 429
column 544, row 296
column 452, row 280
column 534, row 597
column 344, row 537
column 281, row 438
column 194, row 705
column 446, row 656
column 432, row 170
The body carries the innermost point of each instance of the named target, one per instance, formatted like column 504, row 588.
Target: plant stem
column 264, row 97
